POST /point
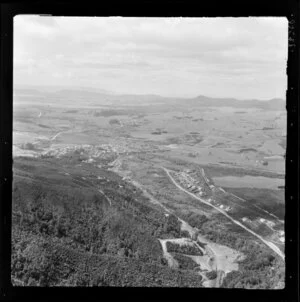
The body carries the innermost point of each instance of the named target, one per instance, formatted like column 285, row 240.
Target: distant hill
column 272, row 104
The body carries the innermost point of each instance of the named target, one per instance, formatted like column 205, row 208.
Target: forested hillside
column 67, row 233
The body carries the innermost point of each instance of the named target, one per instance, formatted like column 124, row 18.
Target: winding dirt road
column 55, row 136
column 269, row 244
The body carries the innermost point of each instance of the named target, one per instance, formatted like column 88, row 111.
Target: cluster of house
column 221, row 206
column 63, row 149
column 89, row 150
column 250, row 222
column 225, row 208
column 258, row 222
column 194, row 186
column 269, row 223
column 190, row 183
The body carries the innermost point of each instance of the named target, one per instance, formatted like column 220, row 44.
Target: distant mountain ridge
column 201, row 100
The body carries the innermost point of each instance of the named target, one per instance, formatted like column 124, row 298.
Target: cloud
column 127, row 65
column 195, row 55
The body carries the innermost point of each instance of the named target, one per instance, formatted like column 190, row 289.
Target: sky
column 244, row 58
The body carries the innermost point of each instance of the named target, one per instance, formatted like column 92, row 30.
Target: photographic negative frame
column 176, row 8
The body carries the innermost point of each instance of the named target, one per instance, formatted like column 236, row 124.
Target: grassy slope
column 269, row 200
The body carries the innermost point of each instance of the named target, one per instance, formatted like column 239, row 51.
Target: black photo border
column 150, row 8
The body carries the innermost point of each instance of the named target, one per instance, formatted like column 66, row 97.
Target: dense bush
column 39, row 262
column 196, row 220
column 185, row 262
column 184, row 249
column 211, row 275
column 172, row 226
column 63, row 232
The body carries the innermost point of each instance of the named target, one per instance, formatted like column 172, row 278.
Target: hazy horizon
column 56, row 88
